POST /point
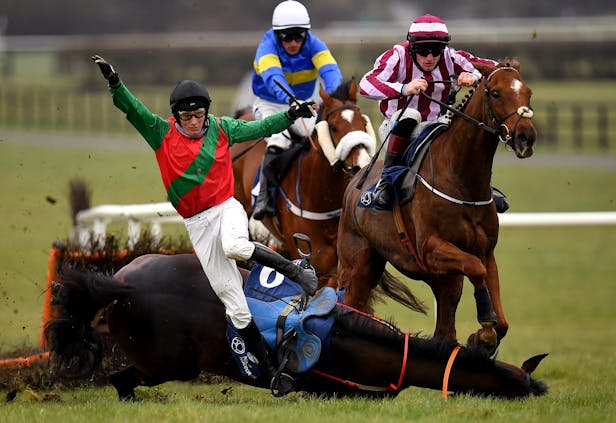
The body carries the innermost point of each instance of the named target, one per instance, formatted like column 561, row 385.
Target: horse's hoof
column 484, row 338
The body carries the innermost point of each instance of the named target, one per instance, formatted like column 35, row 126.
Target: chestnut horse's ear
column 509, row 62
column 326, row 98
column 485, row 69
column 353, row 90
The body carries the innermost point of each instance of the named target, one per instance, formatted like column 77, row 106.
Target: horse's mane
column 485, row 71
column 387, row 333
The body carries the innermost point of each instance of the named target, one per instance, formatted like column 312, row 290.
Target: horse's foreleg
column 444, row 257
column 493, row 284
column 125, row 381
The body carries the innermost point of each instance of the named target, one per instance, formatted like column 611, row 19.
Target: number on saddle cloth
column 273, row 301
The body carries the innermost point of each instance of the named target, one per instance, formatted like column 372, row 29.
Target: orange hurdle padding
column 52, row 265
column 24, row 361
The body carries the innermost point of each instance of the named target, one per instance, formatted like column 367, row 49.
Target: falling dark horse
column 310, row 194
column 450, row 227
column 163, row 314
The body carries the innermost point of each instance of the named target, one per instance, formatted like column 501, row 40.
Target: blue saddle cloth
column 411, row 160
column 274, row 301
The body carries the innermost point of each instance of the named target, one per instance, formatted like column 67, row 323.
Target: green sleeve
column 152, row 127
column 240, row 130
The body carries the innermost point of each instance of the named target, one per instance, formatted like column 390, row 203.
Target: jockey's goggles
column 185, row 116
column 287, row 37
column 425, row 49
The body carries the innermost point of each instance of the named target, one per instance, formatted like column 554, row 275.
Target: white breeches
column 219, row 236
column 301, row 127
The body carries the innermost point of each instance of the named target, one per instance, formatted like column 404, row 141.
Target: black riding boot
column 307, row 278
column 500, row 200
column 383, row 195
column 279, row 384
column 265, row 204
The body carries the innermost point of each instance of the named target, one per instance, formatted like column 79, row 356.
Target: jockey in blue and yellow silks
column 298, row 73
column 295, row 58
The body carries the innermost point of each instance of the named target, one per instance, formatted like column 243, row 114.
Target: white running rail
column 93, row 222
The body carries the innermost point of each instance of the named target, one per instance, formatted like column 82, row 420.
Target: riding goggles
column 186, row 116
column 426, row 49
column 295, row 36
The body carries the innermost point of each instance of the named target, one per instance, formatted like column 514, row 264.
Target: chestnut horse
column 162, row 313
column 450, row 228
column 310, row 195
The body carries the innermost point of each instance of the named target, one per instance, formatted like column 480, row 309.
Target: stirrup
column 282, row 384
column 500, row 200
column 382, row 196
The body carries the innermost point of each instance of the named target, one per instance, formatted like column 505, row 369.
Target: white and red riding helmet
column 428, row 29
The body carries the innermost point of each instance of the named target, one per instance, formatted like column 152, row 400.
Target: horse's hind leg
column 125, row 382
column 359, row 266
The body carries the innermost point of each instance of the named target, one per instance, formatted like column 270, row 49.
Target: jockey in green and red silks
column 192, row 151
column 195, row 168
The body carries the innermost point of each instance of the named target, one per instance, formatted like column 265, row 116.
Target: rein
column 391, row 387
column 371, row 388
column 448, row 367
column 522, row 111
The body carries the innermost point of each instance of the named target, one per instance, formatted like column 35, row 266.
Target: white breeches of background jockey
column 301, row 127
column 219, row 236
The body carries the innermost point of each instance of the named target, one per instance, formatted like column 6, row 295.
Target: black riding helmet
column 188, row 96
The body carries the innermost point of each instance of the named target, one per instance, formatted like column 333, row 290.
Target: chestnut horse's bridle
column 522, row 111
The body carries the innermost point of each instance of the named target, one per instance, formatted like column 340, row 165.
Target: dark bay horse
column 310, row 195
column 450, row 227
column 162, row 313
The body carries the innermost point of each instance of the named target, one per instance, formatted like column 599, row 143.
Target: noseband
column 522, row 111
column 333, row 152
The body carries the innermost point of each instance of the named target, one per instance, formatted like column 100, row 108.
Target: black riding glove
column 107, row 70
column 303, row 110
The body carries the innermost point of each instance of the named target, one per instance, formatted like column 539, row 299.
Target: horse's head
column 507, row 102
column 345, row 135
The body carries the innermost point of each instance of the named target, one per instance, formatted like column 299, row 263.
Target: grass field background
column 557, row 286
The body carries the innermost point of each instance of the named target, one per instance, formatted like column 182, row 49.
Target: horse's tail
column 394, row 288
column 75, row 345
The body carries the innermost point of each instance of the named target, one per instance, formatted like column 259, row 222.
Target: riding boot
column 383, row 195
column 280, row 384
column 265, row 204
column 500, row 200
column 307, row 278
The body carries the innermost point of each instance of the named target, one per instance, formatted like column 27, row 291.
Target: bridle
column 497, row 129
column 522, row 111
column 499, row 125
column 391, row 387
column 298, row 210
column 332, row 152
